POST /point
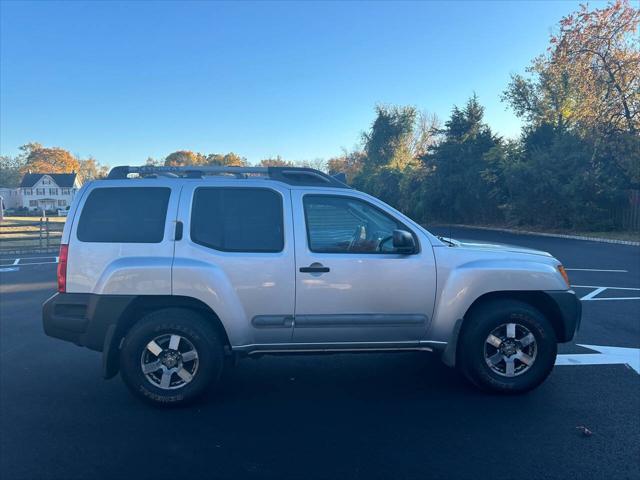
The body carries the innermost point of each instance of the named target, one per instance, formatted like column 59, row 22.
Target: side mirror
column 403, row 242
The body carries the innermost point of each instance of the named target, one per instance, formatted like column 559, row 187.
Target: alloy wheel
column 510, row 349
column 169, row 361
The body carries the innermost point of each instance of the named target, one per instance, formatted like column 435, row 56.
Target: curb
column 555, row 235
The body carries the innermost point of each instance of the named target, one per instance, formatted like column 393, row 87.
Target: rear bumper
column 569, row 308
column 83, row 318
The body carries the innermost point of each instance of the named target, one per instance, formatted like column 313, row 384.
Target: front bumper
column 569, row 310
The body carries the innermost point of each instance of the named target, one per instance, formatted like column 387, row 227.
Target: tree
column 183, row 158
column 90, row 169
column 590, row 76
column 228, row 160
column 276, row 161
column 316, row 163
column 39, row 159
column 388, row 142
column 454, row 189
column 580, row 149
column 10, row 168
column 349, row 163
column 598, row 51
column 425, row 133
column 543, row 98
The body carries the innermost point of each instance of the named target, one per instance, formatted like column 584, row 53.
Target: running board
column 339, row 347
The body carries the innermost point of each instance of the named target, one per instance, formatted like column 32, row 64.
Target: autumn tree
column 227, row 160
column 598, row 51
column 183, row 158
column 48, row 160
column 349, row 163
column 590, row 76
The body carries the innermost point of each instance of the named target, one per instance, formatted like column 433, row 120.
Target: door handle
column 179, row 228
column 314, row 268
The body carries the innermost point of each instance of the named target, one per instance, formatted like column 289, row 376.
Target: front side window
column 337, row 224
column 124, row 215
column 39, row 191
column 33, row 203
column 238, row 219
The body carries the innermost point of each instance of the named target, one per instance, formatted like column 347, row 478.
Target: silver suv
column 173, row 272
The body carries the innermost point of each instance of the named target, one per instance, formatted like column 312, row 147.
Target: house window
column 27, row 191
column 53, row 191
column 65, row 191
column 39, row 191
column 62, row 203
column 33, row 203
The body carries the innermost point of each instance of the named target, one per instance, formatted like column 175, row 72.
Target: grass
column 31, row 219
column 632, row 236
column 24, row 234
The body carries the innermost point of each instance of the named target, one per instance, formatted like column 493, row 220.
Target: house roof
column 61, row 179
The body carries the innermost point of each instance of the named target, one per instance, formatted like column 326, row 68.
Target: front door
column 351, row 285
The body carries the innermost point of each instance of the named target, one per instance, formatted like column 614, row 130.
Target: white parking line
column 9, row 269
column 597, row 290
column 18, row 261
column 594, row 270
column 608, row 288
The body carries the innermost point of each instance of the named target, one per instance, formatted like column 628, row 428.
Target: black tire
column 187, row 324
column 493, row 315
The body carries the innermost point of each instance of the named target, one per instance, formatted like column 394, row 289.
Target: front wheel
column 171, row 356
column 507, row 346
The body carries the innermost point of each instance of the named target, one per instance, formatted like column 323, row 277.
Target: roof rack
column 300, row 176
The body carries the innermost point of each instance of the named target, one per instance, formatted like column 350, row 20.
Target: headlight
column 563, row 272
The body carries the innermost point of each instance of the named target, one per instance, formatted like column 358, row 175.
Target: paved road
column 334, row 416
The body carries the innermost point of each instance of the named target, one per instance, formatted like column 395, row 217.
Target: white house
column 47, row 191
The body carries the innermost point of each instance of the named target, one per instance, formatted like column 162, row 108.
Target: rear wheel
column 507, row 346
column 171, row 356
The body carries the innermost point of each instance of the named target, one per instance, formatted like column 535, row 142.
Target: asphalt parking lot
column 391, row 416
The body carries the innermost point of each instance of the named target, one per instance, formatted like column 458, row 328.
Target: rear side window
column 124, row 215
column 238, row 219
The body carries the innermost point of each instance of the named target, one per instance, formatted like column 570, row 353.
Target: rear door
column 121, row 238
column 351, row 286
column 237, row 256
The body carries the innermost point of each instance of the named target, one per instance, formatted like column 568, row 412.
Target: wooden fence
column 630, row 218
column 41, row 236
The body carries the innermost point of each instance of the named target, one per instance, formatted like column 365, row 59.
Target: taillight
column 62, row 268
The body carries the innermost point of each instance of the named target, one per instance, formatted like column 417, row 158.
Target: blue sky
column 124, row 81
